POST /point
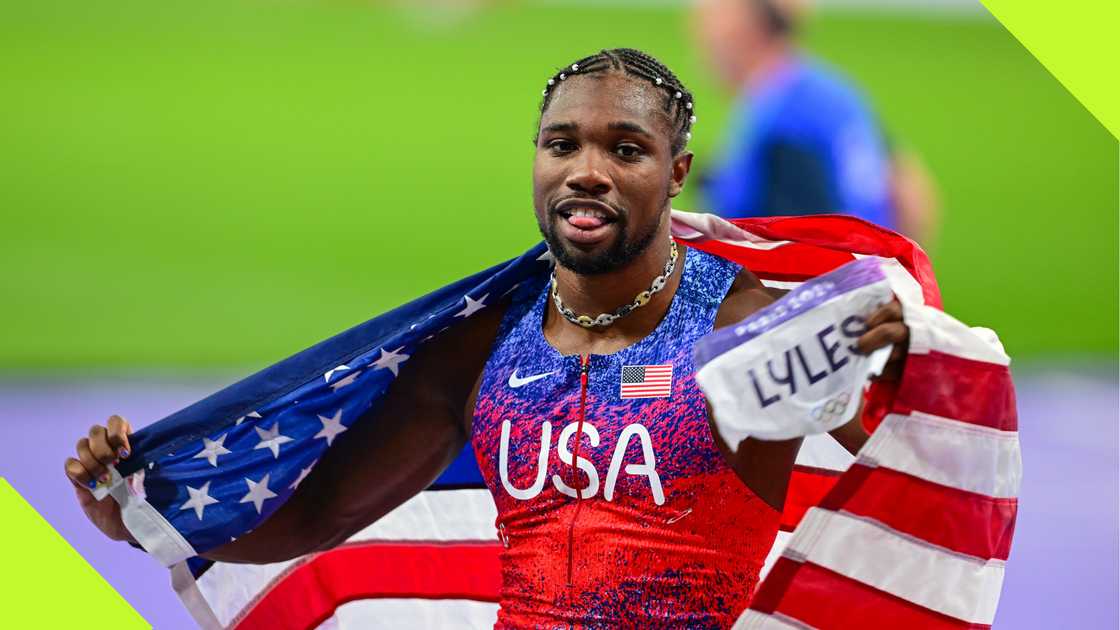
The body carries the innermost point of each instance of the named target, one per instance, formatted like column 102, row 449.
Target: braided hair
column 677, row 99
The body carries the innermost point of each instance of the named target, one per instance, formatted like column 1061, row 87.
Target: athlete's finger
column 890, row 312
column 119, row 429
column 78, row 474
column 92, row 466
column 99, row 445
column 882, row 335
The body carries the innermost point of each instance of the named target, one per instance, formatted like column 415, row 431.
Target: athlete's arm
column 379, row 463
column 765, row 466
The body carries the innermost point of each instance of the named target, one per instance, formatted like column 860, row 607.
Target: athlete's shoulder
column 447, row 365
column 746, row 296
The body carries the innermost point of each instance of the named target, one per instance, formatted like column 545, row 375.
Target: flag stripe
column 754, row 620
column 822, row 451
column 826, row 599
column 965, row 522
column 807, row 486
column 932, row 330
column 784, row 285
column 310, row 590
column 474, row 512
column 407, row 613
column 790, row 262
column 955, row 454
column 954, row 585
column 981, row 392
column 831, row 234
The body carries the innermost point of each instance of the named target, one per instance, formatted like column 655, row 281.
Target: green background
column 206, row 184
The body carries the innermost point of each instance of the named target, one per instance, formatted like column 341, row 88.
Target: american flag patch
column 646, row 381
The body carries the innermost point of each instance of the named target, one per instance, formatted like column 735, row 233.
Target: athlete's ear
column 682, row 163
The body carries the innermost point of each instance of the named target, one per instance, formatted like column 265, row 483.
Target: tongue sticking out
column 586, row 223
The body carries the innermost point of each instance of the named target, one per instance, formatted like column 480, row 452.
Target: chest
column 624, row 433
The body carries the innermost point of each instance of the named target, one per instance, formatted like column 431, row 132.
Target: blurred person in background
column 802, row 139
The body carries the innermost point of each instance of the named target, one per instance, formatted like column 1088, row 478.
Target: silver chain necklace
column 606, row 319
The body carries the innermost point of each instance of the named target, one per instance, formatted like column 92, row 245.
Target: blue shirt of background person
column 802, row 140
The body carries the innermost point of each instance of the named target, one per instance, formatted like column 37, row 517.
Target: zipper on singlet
column 584, row 368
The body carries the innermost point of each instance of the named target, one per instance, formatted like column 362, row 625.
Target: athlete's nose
column 588, row 175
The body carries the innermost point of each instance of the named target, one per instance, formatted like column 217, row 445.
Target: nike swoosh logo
column 516, row 382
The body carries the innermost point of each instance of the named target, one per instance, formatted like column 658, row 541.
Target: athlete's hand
column 106, row 444
column 884, row 327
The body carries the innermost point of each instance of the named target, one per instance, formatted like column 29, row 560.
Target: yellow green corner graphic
column 1077, row 43
column 45, row 583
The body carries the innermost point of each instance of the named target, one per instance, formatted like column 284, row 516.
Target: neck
column 765, row 61
column 604, row 293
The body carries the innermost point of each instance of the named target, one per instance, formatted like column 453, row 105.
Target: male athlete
column 647, row 524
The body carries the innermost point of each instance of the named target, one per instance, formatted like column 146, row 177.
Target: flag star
column 331, row 427
column 391, row 360
column 473, row 306
column 200, row 498
column 303, row 475
column 251, row 414
column 344, row 381
column 258, row 492
column 211, row 449
column 330, row 372
column 271, row 439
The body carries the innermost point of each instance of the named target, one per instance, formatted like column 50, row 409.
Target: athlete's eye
column 628, row 151
column 561, row 146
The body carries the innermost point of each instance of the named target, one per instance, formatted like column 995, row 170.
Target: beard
column 620, row 253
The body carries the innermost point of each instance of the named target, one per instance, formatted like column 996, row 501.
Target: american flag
column 646, row 381
column 219, row 468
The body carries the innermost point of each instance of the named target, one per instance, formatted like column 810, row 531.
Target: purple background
column 1063, row 571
